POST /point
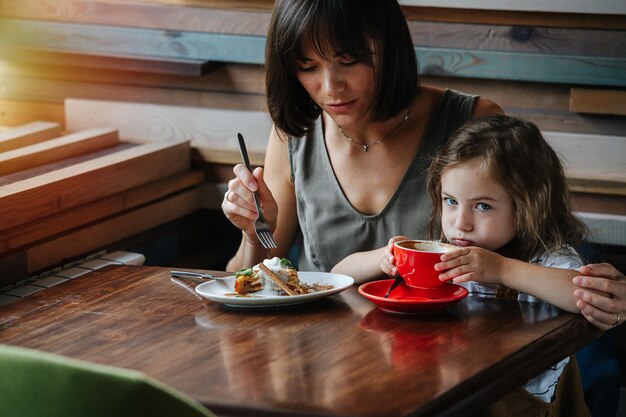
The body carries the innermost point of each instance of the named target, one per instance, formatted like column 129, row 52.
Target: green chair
column 39, row 384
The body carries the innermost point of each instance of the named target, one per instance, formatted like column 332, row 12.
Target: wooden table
column 336, row 357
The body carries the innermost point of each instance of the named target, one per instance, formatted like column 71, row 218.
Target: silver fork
column 261, row 226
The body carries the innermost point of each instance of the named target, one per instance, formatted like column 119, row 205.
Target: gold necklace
column 366, row 147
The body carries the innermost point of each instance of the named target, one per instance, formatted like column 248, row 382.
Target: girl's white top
column 543, row 385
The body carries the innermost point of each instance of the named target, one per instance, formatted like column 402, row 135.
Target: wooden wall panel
column 96, row 236
column 511, row 60
column 207, row 15
column 68, row 187
column 73, row 218
column 525, row 61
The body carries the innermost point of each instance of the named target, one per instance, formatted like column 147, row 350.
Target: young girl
column 499, row 193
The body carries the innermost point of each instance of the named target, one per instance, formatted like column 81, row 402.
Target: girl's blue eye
column 483, row 206
column 449, row 201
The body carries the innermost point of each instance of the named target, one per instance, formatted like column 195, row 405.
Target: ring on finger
column 616, row 320
column 227, row 195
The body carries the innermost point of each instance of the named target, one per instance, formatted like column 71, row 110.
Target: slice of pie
column 254, row 279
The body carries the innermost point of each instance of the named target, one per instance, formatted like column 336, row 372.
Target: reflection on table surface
column 338, row 356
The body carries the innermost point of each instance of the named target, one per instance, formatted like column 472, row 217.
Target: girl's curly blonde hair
column 514, row 153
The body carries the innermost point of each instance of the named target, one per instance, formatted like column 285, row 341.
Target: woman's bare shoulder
column 485, row 107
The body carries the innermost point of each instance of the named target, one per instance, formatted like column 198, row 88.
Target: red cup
column 416, row 259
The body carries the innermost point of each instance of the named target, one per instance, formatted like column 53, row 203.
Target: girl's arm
column 362, row 266
column 553, row 285
column 276, row 190
column 370, row 265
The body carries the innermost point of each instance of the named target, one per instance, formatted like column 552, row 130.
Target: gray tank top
column 331, row 227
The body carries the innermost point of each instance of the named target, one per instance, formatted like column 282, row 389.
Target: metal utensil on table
column 261, row 226
column 193, row 275
column 396, row 281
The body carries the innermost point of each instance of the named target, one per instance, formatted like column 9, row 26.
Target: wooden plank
column 68, row 187
column 514, row 18
column 207, row 128
column 222, row 156
column 235, row 18
column 16, row 112
column 52, row 150
column 201, row 18
column 523, row 66
column 544, row 67
column 598, row 203
column 597, row 186
column 597, row 101
column 64, row 163
column 235, row 78
column 593, row 163
column 224, row 4
column 18, row 87
column 187, row 67
column 56, row 251
column 28, row 134
column 596, row 157
column 70, row 219
column 530, row 39
column 129, row 42
column 609, row 7
column 607, row 229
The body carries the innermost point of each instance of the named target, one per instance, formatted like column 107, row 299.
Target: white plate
column 217, row 291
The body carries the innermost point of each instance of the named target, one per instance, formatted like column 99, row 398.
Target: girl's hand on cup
column 238, row 203
column 470, row 264
column 387, row 263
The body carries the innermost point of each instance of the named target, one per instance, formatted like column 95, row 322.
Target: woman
column 352, row 134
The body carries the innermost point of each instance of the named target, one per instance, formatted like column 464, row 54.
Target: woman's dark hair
column 348, row 27
column 514, row 153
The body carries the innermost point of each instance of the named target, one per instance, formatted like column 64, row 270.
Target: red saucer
column 405, row 299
